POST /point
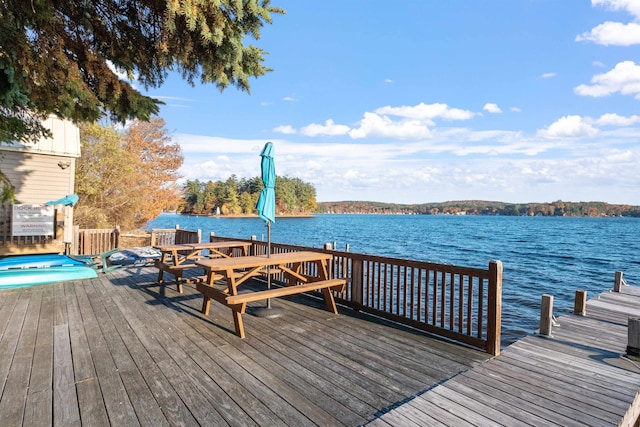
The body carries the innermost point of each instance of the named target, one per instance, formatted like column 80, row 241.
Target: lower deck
column 123, row 350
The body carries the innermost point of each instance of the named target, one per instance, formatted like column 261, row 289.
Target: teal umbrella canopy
column 267, row 202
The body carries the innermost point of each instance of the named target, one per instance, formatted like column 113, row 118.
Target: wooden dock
column 579, row 376
column 122, row 350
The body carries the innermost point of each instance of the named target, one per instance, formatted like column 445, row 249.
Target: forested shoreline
column 479, row 207
column 239, row 196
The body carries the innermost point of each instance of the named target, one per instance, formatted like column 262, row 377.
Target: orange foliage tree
column 156, row 161
column 126, row 178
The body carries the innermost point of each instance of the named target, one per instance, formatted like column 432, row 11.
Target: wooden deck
column 577, row 377
column 122, row 350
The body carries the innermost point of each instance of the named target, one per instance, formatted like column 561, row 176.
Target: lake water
column 540, row 255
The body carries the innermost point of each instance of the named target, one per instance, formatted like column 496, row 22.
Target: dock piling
column 546, row 315
column 633, row 338
column 580, row 303
column 619, row 282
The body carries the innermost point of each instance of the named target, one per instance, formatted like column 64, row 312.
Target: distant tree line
column 239, row 196
column 478, row 207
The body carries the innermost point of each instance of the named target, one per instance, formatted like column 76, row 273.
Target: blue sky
column 419, row 101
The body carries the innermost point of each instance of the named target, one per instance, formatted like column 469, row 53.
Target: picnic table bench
column 175, row 259
column 236, row 271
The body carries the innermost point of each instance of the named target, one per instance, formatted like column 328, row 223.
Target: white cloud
column 516, row 109
column 631, row 6
column 374, row 125
column 289, row 99
column 413, row 122
column 623, row 78
column 569, row 127
column 492, row 108
column 286, row 129
column 388, row 81
column 454, row 164
column 329, row 128
column 548, row 75
column 612, row 119
column 613, row 34
column 426, row 112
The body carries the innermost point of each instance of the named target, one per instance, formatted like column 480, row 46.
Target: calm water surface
column 540, row 255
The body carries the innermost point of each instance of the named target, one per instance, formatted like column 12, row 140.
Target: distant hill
column 481, row 207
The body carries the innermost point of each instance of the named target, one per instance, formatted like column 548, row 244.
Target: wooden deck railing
column 94, row 241
column 170, row 236
column 460, row 303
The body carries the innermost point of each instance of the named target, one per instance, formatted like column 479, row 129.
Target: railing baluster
column 461, row 303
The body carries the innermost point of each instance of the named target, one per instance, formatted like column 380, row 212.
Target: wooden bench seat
column 176, row 270
column 238, row 303
column 332, row 284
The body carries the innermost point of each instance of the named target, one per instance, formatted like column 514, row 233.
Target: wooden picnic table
column 295, row 266
column 177, row 258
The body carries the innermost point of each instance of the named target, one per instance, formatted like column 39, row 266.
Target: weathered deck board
column 39, row 402
column 577, row 377
column 16, row 386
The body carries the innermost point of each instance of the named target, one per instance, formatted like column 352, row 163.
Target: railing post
column 357, row 290
column 494, row 309
column 580, row 303
column 546, row 315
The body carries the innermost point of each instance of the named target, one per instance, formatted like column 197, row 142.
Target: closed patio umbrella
column 266, row 207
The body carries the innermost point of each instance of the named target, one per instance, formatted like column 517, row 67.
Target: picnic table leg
column 206, row 304
column 178, row 275
column 237, row 320
column 329, row 300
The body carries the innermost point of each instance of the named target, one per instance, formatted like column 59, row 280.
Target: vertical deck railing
column 170, row 236
column 460, row 303
column 93, row 241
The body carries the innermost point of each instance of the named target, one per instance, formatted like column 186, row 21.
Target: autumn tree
column 126, row 178
column 65, row 57
column 103, row 175
column 156, row 163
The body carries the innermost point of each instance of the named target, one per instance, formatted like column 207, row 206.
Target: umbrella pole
column 269, row 256
column 268, row 311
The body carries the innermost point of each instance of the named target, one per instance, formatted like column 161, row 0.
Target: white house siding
column 65, row 141
column 37, row 177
